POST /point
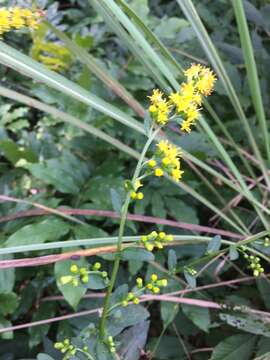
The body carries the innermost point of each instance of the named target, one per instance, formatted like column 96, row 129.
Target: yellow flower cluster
column 153, row 286
column 135, row 195
column 187, row 101
column 159, row 107
column 155, row 240
column 166, row 160
column 81, row 275
column 16, row 18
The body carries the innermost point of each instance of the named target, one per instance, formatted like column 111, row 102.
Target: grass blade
column 97, row 70
column 252, row 74
column 24, row 64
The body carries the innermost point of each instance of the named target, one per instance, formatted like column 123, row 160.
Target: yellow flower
column 177, row 174
column 17, row 18
column 186, row 126
column 159, row 107
column 152, row 163
column 193, row 71
column 159, row 172
column 206, row 82
column 140, row 196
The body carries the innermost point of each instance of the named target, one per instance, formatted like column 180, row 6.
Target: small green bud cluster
column 254, row 264
column 111, row 345
column 80, row 275
column 266, row 241
column 155, row 284
column 155, row 240
column 66, row 348
column 130, row 297
column 191, row 271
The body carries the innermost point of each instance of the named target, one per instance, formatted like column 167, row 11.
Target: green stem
column 120, row 236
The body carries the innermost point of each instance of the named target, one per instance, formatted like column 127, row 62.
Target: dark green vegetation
column 51, row 160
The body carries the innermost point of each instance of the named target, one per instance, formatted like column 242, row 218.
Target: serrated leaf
column 233, row 253
column 214, row 244
column 238, row 347
column 50, row 229
column 137, row 254
column 72, row 294
column 116, row 201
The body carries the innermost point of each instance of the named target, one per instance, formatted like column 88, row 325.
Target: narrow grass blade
column 24, row 64
column 252, row 74
column 97, row 70
column 128, row 41
column 211, row 52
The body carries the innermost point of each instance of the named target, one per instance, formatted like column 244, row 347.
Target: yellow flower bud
column 152, row 108
column 156, row 290
column 140, row 196
column 149, row 247
column 152, row 163
column 149, row 286
column 168, row 238
column 85, row 279
column 97, row 266
column 144, row 238
column 133, row 195
column 75, row 282
column 136, row 301
column 74, row 269
column 83, row 271
column 166, row 161
column 162, row 235
column 139, row 282
column 159, row 172
column 154, row 277
column 125, row 303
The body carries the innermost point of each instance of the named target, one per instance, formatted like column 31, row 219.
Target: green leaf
column 181, row 211
column 7, row 276
column 124, row 317
column 251, row 323
column 42, row 356
column 133, row 341
column 96, row 282
column 172, row 260
column 233, row 253
column 214, row 245
column 72, row 294
column 47, row 230
column 168, row 312
column 116, row 201
column 264, row 289
column 238, row 347
column 14, row 153
column 198, row 315
column 66, row 173
column 8, row 303
column 190, row 279
column 137, row 254
column 4, row 323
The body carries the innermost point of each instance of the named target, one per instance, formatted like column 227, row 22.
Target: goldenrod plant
column 175, row 166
